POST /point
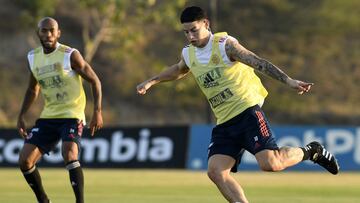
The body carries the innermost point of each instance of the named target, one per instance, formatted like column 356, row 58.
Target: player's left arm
column 236, row 52
column 79, row 65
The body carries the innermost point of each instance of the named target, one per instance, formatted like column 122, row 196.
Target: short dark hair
column 192, row 13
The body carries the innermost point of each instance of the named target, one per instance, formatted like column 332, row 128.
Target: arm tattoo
column 238, row 53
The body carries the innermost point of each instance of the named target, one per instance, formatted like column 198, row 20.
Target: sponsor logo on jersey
column 208, row 79
column 215, row 59
column 51, row 82
column 56, row 67
column 220, row 98
column 62, row 96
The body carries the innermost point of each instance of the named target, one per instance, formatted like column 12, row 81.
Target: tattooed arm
column 237, row 52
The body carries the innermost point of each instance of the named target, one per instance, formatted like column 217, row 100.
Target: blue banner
column 343, row 142
column 117, row 147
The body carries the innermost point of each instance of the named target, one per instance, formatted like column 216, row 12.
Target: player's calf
column 76, row 179
column 271, row 160
column 32, row 177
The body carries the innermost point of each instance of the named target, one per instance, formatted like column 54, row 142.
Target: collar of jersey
column 208, row 43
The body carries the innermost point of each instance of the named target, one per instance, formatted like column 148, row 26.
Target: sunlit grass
column 180, row 186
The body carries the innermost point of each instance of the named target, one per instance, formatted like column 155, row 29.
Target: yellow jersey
column 229, row 89
column 61, row 87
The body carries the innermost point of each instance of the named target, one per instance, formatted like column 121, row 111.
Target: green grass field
column 180, row 186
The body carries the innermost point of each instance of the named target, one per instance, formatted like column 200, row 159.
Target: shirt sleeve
column 185, row 55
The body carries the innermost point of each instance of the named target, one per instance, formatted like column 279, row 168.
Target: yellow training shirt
column 229, row 89
column 61, row 86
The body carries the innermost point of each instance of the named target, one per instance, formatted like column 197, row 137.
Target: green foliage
column 341, row 17
column 33, row 10
column 128, row 41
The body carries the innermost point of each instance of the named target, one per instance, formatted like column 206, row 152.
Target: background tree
column 128, row 41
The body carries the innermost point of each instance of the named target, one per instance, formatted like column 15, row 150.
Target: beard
column 48, row 45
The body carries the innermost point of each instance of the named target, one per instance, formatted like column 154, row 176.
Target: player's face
column 197, row 32
column 48, row 34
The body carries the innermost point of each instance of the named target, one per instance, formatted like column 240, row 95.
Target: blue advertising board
column 343, row 142
column 117, row 147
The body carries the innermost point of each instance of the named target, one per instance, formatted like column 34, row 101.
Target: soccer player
column 224, row 71
column 58, row 71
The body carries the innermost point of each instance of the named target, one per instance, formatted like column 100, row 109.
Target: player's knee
column 69, row 152
column 216, row 175
column 25, row 163
column 68, row 156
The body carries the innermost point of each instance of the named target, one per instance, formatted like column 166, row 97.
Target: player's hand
column 300, row 86
column 21, row 127
column 143, row 87
column 96, row 122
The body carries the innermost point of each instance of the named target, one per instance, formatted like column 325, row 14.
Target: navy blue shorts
column 47, row 133
column 248, row 131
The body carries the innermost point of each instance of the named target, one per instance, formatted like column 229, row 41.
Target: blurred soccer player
column 57, row 70
column 224, row 70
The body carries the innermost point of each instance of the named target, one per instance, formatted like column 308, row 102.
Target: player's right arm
column 174, row 72
column 237, row 52
column 31, row 94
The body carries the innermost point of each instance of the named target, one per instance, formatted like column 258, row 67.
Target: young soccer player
column 224, row 71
